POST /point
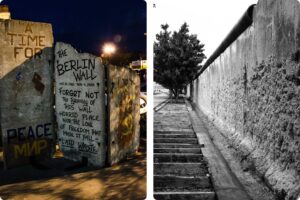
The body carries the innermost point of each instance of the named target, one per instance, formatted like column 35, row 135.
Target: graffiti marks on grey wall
column 80, row 104
column 26, row 91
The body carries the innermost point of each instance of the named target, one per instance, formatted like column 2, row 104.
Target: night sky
column 88, row 24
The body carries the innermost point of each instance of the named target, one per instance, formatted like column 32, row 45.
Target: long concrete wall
column 252, row 93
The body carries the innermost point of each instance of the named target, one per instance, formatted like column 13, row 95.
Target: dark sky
column 88, row 24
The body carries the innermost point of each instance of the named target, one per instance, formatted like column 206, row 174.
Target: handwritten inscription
column 27, row 44
column 28, row 141
column 62, row 53
column 29, row 148
column 82, row 69
column 78, row 119
column 27, row 133
column 78, row 103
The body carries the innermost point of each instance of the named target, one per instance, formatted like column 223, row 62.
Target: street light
column 108, row 49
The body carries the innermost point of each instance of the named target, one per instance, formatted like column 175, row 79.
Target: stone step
column 200, row 195
column 175, row 145
column 172, row 135
column 177, row 150
column 178, row 157
column 190, row 131
column 163, row 122
column 173, row 127
column 180, row 169
column 166, row 129
column 181, row 183
column 174, row 132
column 176, row 140
column 171, row 124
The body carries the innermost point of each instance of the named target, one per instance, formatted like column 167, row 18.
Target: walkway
column 180, row 171
column 187, row 164
column 126, row 181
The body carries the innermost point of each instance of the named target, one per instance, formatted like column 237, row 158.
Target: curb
column 226, row 184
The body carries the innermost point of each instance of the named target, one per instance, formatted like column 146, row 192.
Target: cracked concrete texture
column 261, row 118
column 254, row 99
column 244, row 171
column 272, row 120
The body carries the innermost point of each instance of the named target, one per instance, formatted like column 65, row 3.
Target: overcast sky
column 211, row 20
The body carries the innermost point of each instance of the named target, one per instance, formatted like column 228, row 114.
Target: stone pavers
column 180, row 171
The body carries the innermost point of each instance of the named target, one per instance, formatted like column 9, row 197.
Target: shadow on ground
column 126, row 180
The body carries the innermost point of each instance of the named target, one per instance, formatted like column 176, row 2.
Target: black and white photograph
column 226, row 100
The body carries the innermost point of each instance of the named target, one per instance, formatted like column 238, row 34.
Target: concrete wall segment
column 26, row 59
column 80, row 105
column 251, row 92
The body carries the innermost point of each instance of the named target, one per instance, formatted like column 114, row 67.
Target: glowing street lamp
column 108, row 49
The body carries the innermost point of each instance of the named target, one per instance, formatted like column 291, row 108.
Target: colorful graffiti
column 124, row 117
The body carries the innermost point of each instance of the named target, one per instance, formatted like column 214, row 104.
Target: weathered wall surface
column 80, row 108
column 124, row 113
column 26, row 98
column 252, row 93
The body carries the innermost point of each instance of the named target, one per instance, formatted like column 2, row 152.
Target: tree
column 177, row 58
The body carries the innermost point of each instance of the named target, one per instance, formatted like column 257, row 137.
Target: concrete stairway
column 180, row 171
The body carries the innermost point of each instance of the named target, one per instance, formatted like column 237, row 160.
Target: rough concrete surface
column 79, row 104
column 26, row 91
column 178, row 175
column 244, row 171
column 124, row 113
column 251, row 93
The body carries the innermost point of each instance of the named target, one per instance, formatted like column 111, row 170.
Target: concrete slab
column 205, row 195
column 124, row 113
column 175, row 145
column 180, row 169
column 172, row 128
column 181, row 183
column 196, row 150
column 178, row 131
column 80, row 105
column 176, row 140
column 177, row 157
column 26, row 96
column 171, row 135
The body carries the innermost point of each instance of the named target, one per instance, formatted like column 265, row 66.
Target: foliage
column 177, row 58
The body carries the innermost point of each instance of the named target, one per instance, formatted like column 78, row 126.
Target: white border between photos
column 150, row 40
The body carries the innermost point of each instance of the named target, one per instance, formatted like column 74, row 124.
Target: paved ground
column 175, row 127
column 180, row 172
column 252, row 181
column 159, row 97
column 183, row 138
column 126, row 181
